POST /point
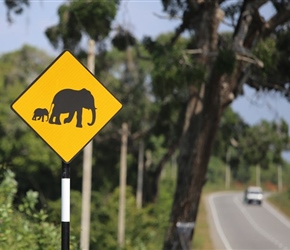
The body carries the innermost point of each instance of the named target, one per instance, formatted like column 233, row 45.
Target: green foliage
column 283, row 52
column 216, row 171
column 16, row 7
column 67, row 33
column 174, row 71
column 144, row 227
column 20, row 149
column 76, row 18
column 243, row 146
column 225, row 62
column 105, row 217
column 281, row 201
column 123, row 39
column 172, row 7
column 25, row 227
column 264, row 143
column 23, row 66
column 274, row 54
column 243, row 173
column 231, row 128
column 267, row 52
column 156, row 144
column 95, row 17
column 270, row 175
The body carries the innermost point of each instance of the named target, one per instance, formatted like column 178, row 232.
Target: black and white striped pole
column 65, row 206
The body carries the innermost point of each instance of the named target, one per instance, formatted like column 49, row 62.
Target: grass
column 282, row 202
column 202, row 239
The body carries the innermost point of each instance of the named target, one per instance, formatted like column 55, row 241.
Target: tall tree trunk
column 87, row 170
column 198, row 136
column 151, row 177
column 228, row 170
column 123, row 181
column 280, row 178
column 139, row 195
column 258, row 175
column 204, row 109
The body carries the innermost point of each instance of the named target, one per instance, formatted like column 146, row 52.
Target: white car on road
column 253, row 194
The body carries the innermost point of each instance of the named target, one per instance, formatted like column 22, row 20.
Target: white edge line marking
column 274, row 212
column 217, row 223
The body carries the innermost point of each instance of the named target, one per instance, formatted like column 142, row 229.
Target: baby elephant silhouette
column 40, row 113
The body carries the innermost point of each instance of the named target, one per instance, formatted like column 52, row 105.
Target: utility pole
column 87, row 169
column 258, row 175
column 123, row 177
column 228, row 170
column 139, row 195
column 280, row 181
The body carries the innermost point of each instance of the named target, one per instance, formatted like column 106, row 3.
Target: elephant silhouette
column 40, row 113
column 72, row 101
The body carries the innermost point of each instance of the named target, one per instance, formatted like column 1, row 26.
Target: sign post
column 66, row 105
column 65, row 206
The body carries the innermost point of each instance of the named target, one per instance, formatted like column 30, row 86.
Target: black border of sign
column 49, row 66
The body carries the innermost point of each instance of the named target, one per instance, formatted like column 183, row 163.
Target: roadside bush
column 24, row 227
column 216, row 171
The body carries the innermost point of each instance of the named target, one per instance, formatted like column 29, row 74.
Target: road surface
column 235, row 225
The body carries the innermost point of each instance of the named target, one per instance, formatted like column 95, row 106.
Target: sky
column 142, row 18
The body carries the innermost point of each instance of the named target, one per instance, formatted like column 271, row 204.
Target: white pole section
column 65, row 207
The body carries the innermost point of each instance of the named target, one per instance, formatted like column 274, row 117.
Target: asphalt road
column 235, row 225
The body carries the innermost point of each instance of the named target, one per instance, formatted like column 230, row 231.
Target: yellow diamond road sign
column 66, row 106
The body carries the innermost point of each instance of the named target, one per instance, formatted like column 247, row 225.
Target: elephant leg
column 34, row 117
column 56, row 116
column 51, row 119
column 57, row 119
column 79, row 117
column 70, row 116
column 42, row 118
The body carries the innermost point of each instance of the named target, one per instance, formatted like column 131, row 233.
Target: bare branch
column 167, row 17
column 252, row 60
column 248, row 11
column 194, row 51
column 280, row 18
column 246, row 57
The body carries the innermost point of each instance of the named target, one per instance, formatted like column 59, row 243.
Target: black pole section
column 65, row 207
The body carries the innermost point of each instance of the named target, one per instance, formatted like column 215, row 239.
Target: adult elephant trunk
column 93, row 117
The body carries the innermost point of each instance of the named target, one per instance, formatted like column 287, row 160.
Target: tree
column 264, row 143
column 214, row 72
column 15, row 7
column 20, row 149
